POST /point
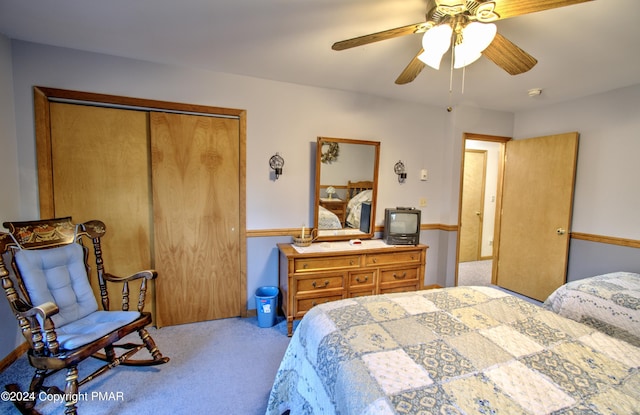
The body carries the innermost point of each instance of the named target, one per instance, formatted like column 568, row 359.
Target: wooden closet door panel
column 196, row 195
column 100, row 170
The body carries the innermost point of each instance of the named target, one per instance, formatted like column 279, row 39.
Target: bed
column 608, row 302
column 354, row 208
column 327, row 219
column 462, row 350
column 357, row 193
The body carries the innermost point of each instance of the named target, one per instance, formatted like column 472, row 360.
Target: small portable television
column 402, row 226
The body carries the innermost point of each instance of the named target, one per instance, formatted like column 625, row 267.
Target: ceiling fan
column 467, row 24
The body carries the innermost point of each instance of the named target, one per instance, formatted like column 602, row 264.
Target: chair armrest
column 45, row 311
column 145, row 276
column 42, row 338
column 148, row 274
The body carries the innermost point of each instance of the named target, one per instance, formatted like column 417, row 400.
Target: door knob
column 560, row 231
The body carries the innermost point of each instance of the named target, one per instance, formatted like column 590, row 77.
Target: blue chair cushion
column 59, row 275
column 92, row 327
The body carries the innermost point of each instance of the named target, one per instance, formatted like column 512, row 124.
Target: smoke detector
column 534, row 92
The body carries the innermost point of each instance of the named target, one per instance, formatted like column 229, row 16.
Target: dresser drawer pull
column 375, row 260
column 305, row 266
column 351, row 262
column 315, row 303
column 400, row 277
column 315, row 285
column 366, row 278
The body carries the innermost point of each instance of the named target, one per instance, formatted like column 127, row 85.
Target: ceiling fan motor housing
column 450, row 7
column 482, row 11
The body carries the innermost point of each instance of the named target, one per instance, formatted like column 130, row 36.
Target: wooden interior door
column 196, row 190
column 537, row 199
column 475, row 162
column 100, row 171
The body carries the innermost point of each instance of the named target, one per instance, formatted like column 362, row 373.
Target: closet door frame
column 43, row 96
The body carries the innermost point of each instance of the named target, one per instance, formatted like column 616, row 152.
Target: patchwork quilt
column 463, row 350
column 608, row 302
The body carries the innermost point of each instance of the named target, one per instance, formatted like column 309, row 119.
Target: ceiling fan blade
column 384, row 35
column 508, row 56
column 511, row 8
column 412, row 70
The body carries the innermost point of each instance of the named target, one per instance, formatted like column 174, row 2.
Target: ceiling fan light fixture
column 435, row 42
column 476, row 37
column 431, row 59
column 464, row 57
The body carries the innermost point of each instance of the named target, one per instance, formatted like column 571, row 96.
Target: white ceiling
column 581, row 49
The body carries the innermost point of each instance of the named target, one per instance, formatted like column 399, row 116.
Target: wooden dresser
column 319, row 275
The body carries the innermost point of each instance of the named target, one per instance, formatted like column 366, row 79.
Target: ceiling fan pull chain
column 464, row 71
column 453, row 37
column 451, row 73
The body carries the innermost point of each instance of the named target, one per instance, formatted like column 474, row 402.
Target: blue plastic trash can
column 267, row 305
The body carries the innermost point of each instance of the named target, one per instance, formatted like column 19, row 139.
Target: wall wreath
column 331, row 153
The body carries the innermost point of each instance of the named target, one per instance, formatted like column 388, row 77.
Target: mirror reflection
column 346, row 188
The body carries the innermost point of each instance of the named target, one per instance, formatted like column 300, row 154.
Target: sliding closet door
column 197, row 228
column 100, row 171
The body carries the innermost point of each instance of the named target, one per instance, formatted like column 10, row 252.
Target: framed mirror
column 346, row 188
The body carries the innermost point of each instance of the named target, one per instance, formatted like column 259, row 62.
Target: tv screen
column 401, row 222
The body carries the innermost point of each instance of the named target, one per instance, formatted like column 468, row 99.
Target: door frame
column 502, row 141
column 43, row 96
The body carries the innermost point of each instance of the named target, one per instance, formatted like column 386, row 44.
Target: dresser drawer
column 370, row 291
column 392, row 258
column 399, row 288
column 320, row 283
column 361, row 279
column 325, row 263
column 398, row 275
column 305, row 304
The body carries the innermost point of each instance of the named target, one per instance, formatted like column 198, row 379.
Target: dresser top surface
column 345, row 248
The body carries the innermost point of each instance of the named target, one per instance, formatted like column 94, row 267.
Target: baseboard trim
column 13, row 356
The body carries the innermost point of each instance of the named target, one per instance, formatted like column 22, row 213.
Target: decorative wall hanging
column 331, row 153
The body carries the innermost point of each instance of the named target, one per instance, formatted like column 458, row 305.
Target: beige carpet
column 474, row 273
column 217, row 367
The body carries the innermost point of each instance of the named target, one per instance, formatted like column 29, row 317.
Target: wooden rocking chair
column 58, row 314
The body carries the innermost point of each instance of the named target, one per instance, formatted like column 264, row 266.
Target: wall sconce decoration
column 400, row 171
column 276, row 162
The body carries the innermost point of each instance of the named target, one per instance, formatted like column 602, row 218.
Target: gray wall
column 421, row 136
column 588, row 258
column 9, row 201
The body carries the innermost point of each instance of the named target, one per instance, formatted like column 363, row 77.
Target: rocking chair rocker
column 57, row 311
